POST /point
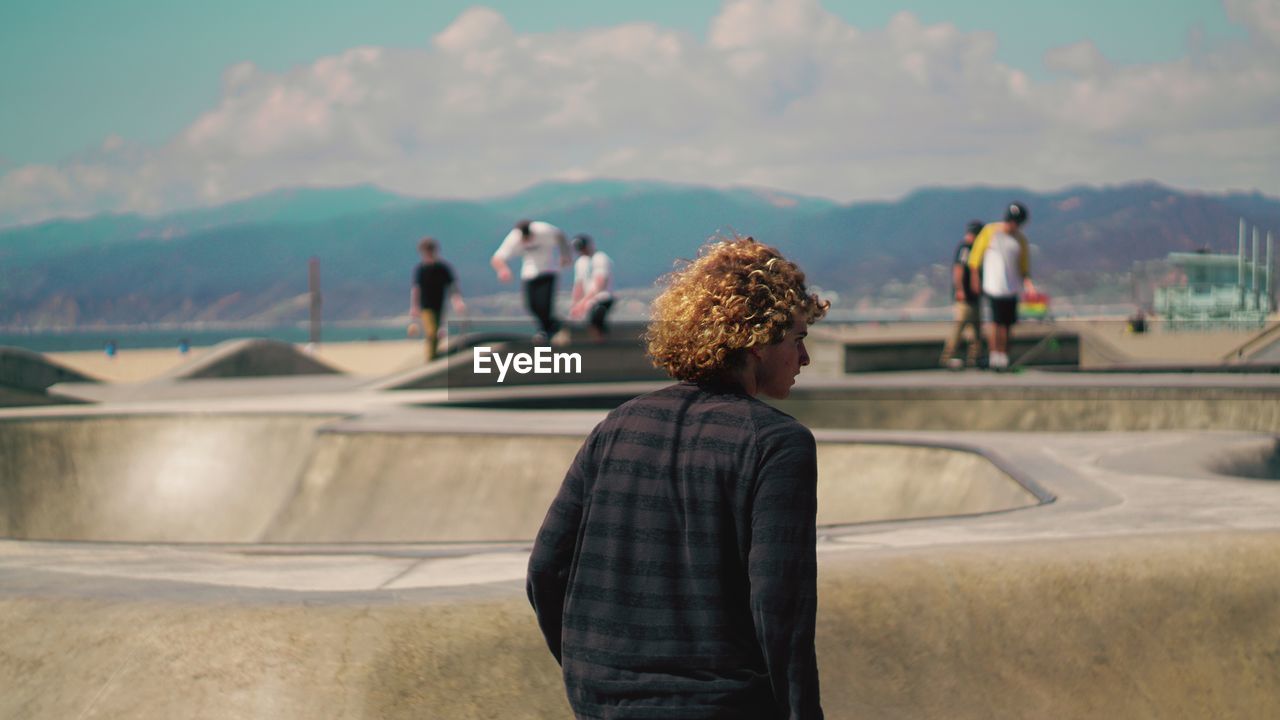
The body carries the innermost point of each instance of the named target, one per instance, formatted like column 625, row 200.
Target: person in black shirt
column 968, row 304
column 431, row 280
column 675, row 574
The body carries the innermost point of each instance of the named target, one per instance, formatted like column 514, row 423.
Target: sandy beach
column 383, row 357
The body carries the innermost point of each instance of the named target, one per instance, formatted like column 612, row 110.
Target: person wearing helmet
column 1000, row 263
column 592, row 282
column 968, row 304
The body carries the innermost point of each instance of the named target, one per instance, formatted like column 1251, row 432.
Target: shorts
column 1004, row 310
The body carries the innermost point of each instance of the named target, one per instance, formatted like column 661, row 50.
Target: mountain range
column 247, row 261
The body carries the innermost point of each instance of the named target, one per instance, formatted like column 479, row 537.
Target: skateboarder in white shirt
column 544, row 251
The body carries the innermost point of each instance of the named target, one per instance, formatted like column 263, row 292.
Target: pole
column 1271, row 293
column 1240, row 268
column 1257, row 291
column 313, row 287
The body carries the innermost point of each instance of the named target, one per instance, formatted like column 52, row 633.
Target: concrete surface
column 25, row 378
column 256, row 357
column 257, row 478
column 616, row 360
column 975, row 401
column 1129, row 573
column 1035, row 345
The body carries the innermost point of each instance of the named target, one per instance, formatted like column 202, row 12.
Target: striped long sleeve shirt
column 675, row 574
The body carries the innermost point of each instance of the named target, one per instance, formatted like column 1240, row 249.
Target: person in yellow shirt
column 1000, row 262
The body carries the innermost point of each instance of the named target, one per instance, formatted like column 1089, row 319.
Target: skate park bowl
column 1011, row 547
column 303, row 479
column 1262, row 462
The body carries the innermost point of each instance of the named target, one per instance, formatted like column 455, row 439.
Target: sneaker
column 561, row 338
column 955, row 364
column 539, row 338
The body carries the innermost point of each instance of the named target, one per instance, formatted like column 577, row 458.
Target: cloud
column 1261, row 17
column 1082, row 59
column 781, row 93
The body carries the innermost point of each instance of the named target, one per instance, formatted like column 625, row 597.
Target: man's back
column 433, row 280
column 538, row 250
column 965, row 286
column 675, row 574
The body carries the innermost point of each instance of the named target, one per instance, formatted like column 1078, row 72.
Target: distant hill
column 247, row 260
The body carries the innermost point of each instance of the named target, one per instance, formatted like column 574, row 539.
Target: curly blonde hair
column 738, row 294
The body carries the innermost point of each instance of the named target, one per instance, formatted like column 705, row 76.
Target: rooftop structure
column 1219, row 290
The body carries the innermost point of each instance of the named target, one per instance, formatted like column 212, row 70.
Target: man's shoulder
column 691, row 404
column 776, row 424
column 686, row 400
column 510, row 244
column 670, row 395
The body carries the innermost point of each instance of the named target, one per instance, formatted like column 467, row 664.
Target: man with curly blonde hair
column 675, row 573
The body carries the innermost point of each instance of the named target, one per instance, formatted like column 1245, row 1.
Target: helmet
column 1016, row 213
column 974, row 227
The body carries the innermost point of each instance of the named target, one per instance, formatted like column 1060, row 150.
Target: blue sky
column 133, row 79
column 74, row 72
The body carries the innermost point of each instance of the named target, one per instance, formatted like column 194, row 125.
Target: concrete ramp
column 1032, row 345
column 1063, row 407
column 867, row 482
column 373, row 487
column 282, row 479
column 245, row 358
column 1262, row 349
column 614, row 361
column 1267, row 353
column 149, row 479
column 25, row 378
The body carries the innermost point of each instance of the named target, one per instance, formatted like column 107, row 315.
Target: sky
column 153, row 105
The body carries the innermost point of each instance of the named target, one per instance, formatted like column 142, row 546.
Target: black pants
column 539, row 298
column 598, row 313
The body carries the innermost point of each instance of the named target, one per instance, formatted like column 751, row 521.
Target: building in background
column 1219, row 291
